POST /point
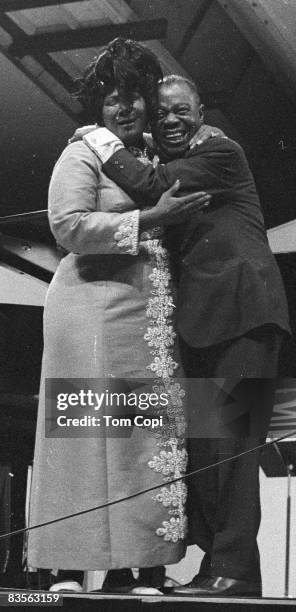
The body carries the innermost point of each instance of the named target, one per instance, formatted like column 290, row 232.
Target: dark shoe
column 218, row 586
column 152, row 576
column 169, row 585
column 150, row 581
column 119, row 581
column 194, row 584
column 155, row 577
column 123, row 582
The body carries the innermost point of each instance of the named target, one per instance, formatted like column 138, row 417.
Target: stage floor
column 97, row 602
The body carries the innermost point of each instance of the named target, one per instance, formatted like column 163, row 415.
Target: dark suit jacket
column 229, row 282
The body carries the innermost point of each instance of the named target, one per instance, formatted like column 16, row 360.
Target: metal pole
column 288, row 530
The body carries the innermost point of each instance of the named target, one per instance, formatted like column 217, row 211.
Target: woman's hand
column 171, row 210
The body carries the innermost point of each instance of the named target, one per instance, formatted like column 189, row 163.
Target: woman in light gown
column 109, row 316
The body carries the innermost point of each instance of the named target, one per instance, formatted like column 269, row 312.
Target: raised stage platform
column 97, row 602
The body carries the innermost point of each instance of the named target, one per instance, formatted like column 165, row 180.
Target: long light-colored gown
column 108, row 315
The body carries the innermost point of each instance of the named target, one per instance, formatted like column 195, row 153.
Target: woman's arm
column 77, row 224
column 74, row 219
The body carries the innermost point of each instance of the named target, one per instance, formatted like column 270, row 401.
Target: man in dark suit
column 232, row 317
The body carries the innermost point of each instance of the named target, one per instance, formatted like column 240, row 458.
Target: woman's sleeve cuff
column 103, row 143
column 127, row 234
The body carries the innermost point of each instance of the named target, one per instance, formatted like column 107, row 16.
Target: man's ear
column 201, row 112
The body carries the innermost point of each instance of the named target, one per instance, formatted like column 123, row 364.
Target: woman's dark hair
column 124, row 65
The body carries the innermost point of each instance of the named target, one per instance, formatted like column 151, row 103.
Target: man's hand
column 171, row 210
column 80, row 132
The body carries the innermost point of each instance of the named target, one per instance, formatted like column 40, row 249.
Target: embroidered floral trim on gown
column 160, row 336
column 127, row 234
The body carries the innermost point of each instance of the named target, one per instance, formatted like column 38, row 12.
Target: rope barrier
column 148, row 490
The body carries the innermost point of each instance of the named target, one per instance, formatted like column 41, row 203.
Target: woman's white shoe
column 145, row 590
column 66, row 586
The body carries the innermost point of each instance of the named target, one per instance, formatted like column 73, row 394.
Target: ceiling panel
column 202, row 41
column 179, row 13
column 217, row 66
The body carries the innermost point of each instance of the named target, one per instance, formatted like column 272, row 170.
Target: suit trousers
column 224, row 502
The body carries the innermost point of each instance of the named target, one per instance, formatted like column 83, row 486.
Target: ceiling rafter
column 120, row 12
column 82, row 38
column 265, row 25
column 44, row 60
column 21, row 5
column 53, row 77
column 191, row 30
column 36, row 80
column 56, row 71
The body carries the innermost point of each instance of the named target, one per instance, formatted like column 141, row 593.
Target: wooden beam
column 56, row 71
column 82, row 38
column 42, row 86
column 195, row 23
column 45, row 61
column 268, row 25
column 42, row 257
column 20, row 5
column 119, row 11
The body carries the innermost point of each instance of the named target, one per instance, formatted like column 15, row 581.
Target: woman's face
column 125, row 118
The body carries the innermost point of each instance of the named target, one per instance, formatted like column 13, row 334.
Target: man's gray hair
column 171, row 79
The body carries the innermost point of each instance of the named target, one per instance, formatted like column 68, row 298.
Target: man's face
column 178, row 118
